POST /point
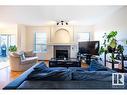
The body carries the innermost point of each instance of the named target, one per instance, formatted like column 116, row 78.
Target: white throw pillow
column 22, row 56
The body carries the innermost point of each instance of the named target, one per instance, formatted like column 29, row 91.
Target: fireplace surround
column 61, row 51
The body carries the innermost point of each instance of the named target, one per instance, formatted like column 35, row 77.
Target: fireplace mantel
column 61, row 48
column 61, row 35
column 52, row 44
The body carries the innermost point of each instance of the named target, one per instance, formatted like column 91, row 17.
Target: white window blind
column 83, row 36
column 40, row 42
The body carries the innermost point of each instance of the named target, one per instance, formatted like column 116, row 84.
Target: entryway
column 6, row 40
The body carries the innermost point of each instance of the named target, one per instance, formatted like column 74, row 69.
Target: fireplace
column 61, row 51
column 60, row 54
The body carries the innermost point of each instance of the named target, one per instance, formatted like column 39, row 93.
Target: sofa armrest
column 14, row 54
column 29, row 54
column 18, row 81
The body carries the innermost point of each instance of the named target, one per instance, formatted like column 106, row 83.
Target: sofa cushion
column 73, row 69
column 96, row 66
column 40, row 67
column 65, row 85
column 92, row 75
column 51, row 74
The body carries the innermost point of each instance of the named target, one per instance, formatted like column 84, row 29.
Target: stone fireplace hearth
column 61, row 51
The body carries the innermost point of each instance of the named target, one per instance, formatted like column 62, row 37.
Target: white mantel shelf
column 61, row 44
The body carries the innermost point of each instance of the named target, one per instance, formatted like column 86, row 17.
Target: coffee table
column 71, row 62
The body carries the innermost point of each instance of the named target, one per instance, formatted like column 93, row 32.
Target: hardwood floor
column 4, row 64
column 6, row 76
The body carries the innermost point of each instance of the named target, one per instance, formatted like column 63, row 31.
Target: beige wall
column 9, row 29
column 116, row 21
column 83, row 28
column 30, row 31
column 65, row 37
column 19, row 31
column 21, row 37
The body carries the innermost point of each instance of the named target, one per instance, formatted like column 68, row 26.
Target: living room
column 55, row 32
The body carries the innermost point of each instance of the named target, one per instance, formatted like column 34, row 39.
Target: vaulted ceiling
column 40, row 15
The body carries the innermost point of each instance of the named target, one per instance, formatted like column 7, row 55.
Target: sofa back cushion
column 14, row 54
column 40, row 67
column 53, row 74
column 92, row 75
column 96, row 66
column 29, row 54
column 20, row 55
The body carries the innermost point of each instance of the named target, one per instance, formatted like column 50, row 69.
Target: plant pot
column 110, row 49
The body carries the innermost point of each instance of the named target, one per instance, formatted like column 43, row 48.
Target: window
column 12, row 40
column 83, row 36
column 40, row 42
column 7, row 40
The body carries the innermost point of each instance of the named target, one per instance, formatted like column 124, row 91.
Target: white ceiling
column 40, row 15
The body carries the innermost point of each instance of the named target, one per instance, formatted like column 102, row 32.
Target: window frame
column 35, row 43
column 84, row 40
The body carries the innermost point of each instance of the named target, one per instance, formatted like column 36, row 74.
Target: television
column 89, row 47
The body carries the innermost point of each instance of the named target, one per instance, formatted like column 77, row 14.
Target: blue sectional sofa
column 96, row 76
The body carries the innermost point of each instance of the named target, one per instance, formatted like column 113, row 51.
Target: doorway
column 6, row 40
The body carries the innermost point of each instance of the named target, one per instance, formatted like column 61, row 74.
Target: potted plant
column 110, row 45
column 110, row 42
column 12, row 48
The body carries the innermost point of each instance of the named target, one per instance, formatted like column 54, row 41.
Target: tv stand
column 71, row 62
column 87, row 57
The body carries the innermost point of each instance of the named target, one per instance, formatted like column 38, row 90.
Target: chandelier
column 62, row 23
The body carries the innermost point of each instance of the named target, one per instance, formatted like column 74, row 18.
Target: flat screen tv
column 89, row 47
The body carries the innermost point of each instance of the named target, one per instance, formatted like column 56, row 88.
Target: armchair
column 19, row 64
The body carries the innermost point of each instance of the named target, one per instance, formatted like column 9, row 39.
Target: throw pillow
column 96, row 66
column 22, row 56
